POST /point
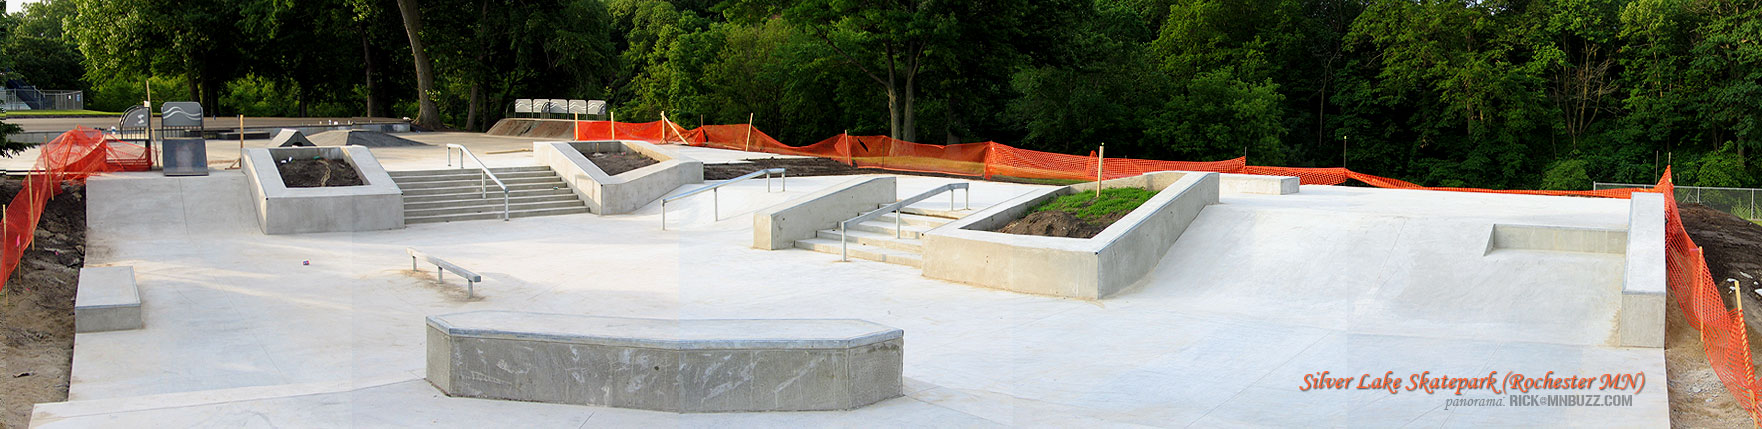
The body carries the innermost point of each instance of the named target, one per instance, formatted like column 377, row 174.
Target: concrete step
column 471, row 174
column 476, row 194
column 493, row 206
column 860, row 251
column 479, row 189
column 494, row 215
column 474, row 181
column 910, row 232
column 914, row 220
column 945, row 214
column 867, row 238
column 455, row 170
column 494, row 199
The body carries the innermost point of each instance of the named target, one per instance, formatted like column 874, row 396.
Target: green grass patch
column 1086, row 207
column 39, row 113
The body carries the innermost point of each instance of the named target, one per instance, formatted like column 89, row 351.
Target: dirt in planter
column 615, row 163
column 36, row 311
column 1732, row 247
column 314, row 173
column 1079, row 215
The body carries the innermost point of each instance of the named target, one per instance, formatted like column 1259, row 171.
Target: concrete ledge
column 968, row 251
column 779, row 226
column 107, row 300
column 376, row 205
column 1257, row 184
column 1643, row 281
column 628, row 191
column 665, row 365
column 1557, row 239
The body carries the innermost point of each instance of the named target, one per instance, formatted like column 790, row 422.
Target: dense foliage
column 1488, row 93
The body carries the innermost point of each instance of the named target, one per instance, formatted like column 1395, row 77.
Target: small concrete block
column 1642, row 320
column 107, row 300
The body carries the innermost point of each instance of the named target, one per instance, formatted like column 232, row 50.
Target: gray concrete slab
column 106, row 300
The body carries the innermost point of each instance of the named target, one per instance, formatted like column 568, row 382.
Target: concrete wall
column 377, row 204
column 968, row 251
column 107, row 299
column 628, row 191
column 1557, row 239
column 665, row 365
column 1644, row 282
column 779, row 226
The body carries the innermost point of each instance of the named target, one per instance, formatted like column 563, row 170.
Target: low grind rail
column 844, row 227
column 442, row 266
column 715, row 203
column 484, row 178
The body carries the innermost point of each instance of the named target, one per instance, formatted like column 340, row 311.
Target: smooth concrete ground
column 1259, row 292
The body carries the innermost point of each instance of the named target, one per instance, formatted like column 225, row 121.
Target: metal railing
column 442, row 266
column 716, row 196
column 1740, row 202
column 484, row 178
column 35, row 99
column 898, row 227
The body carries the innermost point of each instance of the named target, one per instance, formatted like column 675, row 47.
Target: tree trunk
column 427, row 115
column 471, row 115
column 908, row 130
column 367, row 62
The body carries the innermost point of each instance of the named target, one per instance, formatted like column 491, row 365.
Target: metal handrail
column 483, row 178
column 442, row 266
column 844, row 227
column 715, row 200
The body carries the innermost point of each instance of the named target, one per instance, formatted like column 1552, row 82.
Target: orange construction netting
column 72, row 157
column 1722, row 330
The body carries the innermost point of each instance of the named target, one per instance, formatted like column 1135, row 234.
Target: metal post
column 767, row 180
column 716, row 204
column 412, row 263
column 439, row 274
column 663, row 215
column 470, row 289
column 784, row 179
column 897, row 216
column 969, row 203
column 843, row 242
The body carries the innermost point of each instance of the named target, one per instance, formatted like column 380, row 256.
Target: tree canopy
column 1486, row 93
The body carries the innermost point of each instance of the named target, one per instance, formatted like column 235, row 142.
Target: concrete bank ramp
column 535, row 128
column 1387, row 274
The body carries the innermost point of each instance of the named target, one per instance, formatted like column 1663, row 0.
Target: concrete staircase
column 874, row 239
column 456, row 194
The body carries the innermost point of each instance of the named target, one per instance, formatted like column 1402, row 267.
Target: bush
column 1722, row 168
column 1567, row 175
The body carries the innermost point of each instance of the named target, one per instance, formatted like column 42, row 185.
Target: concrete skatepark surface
column 1260, row 291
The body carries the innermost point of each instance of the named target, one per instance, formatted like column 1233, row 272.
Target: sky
column 16, row 5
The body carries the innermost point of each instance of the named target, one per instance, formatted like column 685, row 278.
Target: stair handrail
column 844, row 227
column 715, row 200
column 484, row 176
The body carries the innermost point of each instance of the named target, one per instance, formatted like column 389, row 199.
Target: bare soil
column 36, row 310
column 615, row 163
column 1058, row 223
column 804, row 167
column 1732, row 247
column 315, row 173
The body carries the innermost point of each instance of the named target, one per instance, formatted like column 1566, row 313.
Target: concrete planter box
column 626, row 192
column 665, row 365
column 376, row 205
column 968, row 251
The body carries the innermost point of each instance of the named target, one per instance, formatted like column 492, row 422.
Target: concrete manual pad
column 1259, row 292
column 106, row 300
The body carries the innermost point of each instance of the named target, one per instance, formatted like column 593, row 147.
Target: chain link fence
column 1737, row 201
column 32, row 99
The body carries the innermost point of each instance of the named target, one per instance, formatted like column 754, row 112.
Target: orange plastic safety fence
column 72, row 157
column 1722, row 330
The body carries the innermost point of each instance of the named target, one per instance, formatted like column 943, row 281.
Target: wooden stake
column 614, row 117
column 1100, row 155
column 749, row 132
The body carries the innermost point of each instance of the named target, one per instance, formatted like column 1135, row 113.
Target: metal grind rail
column 844, row 227
column 442, row 266
column 715, row 200
column 484, row 178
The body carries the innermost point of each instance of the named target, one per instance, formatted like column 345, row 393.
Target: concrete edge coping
column 1126, row 224
column 664, row 159
column 1493, row 242
column 1648, row 251
column 669, row 334
column 378, row 181
column 821, row 193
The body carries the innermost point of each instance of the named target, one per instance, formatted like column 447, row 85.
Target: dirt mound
column 1053, row 224
column 615, row 163
column 314, row 173
column 36, row 312
column 360, row 138
column 526, row 127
